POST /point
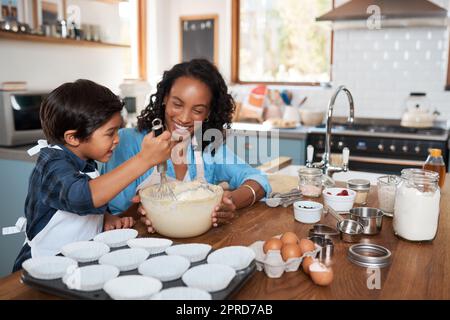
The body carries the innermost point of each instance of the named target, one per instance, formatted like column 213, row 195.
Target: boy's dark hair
column 222, row 103
column 82, row 105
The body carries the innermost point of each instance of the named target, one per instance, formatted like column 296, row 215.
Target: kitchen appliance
column 19, row 117
column 381, row 145
column 417, row 113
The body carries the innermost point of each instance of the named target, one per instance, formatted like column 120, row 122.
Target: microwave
column 20, row 123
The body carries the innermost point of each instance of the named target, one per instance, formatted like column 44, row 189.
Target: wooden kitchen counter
column 418, row 270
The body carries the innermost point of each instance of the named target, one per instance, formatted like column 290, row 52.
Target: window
column 279, row 41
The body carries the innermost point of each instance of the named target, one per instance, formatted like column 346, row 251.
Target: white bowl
column 338, row 203
column 182, row 218
column 311, row 117
column 308, row 211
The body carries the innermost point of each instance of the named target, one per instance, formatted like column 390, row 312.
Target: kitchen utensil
column 164, row 190
column 311, row 117
column 369, row 255
column 350, row 230
column 417, row 114
column 278, row 198
column 370, row 218
column 308, row 211
column 324, row 231
column 338, row 202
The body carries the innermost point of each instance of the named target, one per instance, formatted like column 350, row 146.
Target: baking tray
column 58, row 288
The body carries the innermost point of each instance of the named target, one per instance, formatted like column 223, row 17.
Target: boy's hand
column 112, row 222
column 157, row 149
column 224, row 212
column 143, row 214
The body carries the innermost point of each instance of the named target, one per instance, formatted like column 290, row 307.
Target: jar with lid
column 310, row 182
column 416, row 211
column 387, row 187
column 361, row 187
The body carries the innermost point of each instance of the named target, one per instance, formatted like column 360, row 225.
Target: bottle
column 436, row 163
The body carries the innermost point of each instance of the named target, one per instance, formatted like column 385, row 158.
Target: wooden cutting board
column 282, row 183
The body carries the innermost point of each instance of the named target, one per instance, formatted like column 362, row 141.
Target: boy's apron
column 64, row 227
column 155, row 178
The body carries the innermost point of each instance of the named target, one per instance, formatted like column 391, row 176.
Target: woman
column 192, row 93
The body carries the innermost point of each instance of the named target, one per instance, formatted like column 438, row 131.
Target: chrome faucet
column 325, row 165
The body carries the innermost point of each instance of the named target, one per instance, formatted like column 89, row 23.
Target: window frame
column 235, row 17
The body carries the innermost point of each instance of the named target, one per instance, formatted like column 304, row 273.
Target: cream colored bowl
column 184, row 218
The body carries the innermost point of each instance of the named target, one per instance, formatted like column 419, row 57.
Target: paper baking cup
column 85, row 251
column 116, row 238
column 132, row 287
column 182, row 293
column 164, row 268
column 237, row 257
column 125, row 259
column 49, row 268
column 192, row 251
column 90, row 278
column 209, row 277
column 152, row 245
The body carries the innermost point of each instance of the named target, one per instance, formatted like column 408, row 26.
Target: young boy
column 66, row 200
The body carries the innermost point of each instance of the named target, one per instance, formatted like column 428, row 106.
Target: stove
column 380, row 145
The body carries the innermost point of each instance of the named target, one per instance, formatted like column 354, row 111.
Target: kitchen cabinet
column 14, row 177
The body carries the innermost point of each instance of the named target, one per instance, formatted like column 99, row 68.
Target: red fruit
column 343, row 193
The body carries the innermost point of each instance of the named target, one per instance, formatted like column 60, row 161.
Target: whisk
column 163, row 191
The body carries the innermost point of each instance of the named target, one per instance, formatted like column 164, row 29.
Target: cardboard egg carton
column 273, row 264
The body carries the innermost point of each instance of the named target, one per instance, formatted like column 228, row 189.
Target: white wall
column 164, row 33
column 44, row 66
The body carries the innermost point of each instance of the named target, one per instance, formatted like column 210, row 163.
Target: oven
column 381, row 148
column 19, row 117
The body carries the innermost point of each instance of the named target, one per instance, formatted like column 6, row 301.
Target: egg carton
column 273, row 264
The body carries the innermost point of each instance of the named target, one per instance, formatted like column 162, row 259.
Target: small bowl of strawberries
column 339, row 199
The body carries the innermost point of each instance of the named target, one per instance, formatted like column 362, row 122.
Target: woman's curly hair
column 222, row 104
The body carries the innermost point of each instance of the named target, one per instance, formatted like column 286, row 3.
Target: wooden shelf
column 35, row 38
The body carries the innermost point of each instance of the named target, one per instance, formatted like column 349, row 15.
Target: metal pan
column 350, row 230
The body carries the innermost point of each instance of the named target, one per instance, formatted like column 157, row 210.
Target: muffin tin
column 58, row 288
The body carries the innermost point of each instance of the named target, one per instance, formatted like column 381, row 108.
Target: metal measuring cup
column 350, row 230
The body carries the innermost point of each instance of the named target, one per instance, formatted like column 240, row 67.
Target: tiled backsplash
column 381, row 67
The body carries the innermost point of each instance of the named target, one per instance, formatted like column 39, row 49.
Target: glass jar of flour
column 416, row 212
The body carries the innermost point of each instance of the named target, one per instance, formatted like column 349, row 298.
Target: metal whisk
column 163, row 191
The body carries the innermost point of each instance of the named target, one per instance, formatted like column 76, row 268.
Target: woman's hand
column 143, row 214
column 224, row 212
column 112, row 222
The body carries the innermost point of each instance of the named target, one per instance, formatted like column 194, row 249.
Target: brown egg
column 289, row 238
column 306, row 245
column 307, row 261
column 272, row 244
column 290, row 251
column 320, row 274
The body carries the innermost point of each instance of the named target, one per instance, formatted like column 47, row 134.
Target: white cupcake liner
column 125, row 259
column 272, row 263
column 164, row 268
column 132, row 287
column 182, row 293
column 209, row 277
column 49, row 268
column 194, row 252
column 90, row 278
column 237, row 257
column 152, row 245
column 85, row 251
column 116, row 238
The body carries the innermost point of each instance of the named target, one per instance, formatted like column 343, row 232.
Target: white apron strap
column 40, row 145
column 198, row 159
column 20, row 226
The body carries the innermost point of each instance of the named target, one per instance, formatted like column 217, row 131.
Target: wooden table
column 418, row 270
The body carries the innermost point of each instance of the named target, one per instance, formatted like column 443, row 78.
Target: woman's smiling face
column 189, row 100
